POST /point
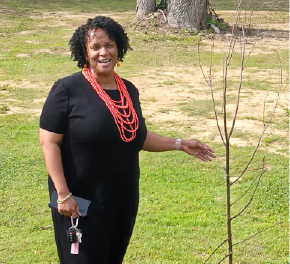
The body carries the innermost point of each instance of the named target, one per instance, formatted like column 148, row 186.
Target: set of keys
column 74, row 236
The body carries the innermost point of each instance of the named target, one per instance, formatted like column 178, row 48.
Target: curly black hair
column 114, row 30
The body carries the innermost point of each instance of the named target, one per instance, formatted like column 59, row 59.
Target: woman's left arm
column 193, row 147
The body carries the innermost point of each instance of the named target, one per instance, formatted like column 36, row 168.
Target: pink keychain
column 75, row 245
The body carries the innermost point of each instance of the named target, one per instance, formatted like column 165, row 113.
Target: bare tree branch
column 233, row 38
column 225, row 72
column 223, row 259
column 265, row 125
column 254, row 42
column 261, row 231
column 258, row 175
column 247, row 171
column 243, row 42
column 215, row 250
column 209, row 83
column 243, row 47
column 252, row 197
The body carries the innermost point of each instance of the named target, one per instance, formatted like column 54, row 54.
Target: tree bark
column 144, row 7
column 186, row 14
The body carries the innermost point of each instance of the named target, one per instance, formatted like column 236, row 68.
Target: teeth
column 104, row 61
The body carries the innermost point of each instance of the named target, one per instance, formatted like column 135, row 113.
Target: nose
column 103, row 51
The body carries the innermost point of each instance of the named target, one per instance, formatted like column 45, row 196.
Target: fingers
column 74, row 215
column 197, row 144
column 69, row 208
column 209, row 154
column 200, row 153
column 65, row 212
column 203, row 157
column 208, row 148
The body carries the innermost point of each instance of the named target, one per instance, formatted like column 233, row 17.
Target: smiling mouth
column 104, row 61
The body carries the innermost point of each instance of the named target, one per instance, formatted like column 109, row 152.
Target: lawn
column 182, row 214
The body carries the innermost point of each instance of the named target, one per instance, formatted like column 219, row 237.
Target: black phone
column 83, row 204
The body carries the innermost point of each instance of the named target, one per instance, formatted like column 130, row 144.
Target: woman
column 91, row 132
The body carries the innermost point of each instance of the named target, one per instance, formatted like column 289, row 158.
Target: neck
column 106, row 81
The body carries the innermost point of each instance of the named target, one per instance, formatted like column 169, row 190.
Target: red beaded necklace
column 123, row 111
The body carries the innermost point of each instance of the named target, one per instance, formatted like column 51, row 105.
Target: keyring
column 72, row 221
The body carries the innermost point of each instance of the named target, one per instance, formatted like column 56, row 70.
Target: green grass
column 265, row 5
column 197, row 108
column 182, row 201
column 70, row 5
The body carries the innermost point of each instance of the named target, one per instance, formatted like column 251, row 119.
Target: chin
column 103, row 71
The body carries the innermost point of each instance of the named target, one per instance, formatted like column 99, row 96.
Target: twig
column 250, row 20
column 215, row 250
column 243, row 47
column 242, row 171
column 265, row 125
column 263, row 230
column 225, row 69
column 244, row 62
column 233, row 38
column 209, row 83
column 255, row 41
column 163, row 14
column 247, row 188
column 223, row 258
column 264, row 109
column 253, row 155
column 252, row 197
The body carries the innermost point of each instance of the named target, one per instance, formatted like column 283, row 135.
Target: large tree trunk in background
column 145, row 7
column 187, row 13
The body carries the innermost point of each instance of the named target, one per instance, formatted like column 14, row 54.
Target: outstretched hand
column 197, row 149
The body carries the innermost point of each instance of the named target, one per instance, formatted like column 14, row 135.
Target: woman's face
column 102, row 53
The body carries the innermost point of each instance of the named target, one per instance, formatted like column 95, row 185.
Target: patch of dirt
column 43, row 51
column 161, row 92
column 32, row 42
column 22, row 55
column 265, row 31
column 23, row 84
column 19, row 110
column 39, row 100
column 26, row 32
column 69, row 19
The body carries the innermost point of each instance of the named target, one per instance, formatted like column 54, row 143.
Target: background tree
column 145, row 7
column 187, row 14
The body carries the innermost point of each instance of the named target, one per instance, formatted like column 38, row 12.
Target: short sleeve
column 54, row 116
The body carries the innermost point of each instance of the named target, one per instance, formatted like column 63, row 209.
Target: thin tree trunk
column 229, row 220
column 186, row 14
column 144, row 7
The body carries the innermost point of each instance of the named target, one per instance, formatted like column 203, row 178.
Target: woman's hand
column 69, row 208
column 193, row 147
column 197, row 149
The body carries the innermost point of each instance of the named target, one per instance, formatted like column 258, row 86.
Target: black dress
column 98, row 166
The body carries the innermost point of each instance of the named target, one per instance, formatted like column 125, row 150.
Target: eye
column 95, row 47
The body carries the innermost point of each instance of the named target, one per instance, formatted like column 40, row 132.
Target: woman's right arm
column 51, row 143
